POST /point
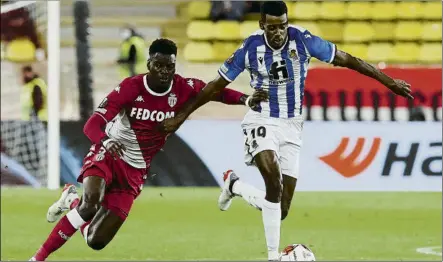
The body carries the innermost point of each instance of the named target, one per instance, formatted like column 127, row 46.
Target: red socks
column 61, row 233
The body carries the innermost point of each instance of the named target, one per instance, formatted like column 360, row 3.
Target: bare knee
column 94, row 239
column 94, row 188
column 95, row 242
column 87, row 210
column 102, row 229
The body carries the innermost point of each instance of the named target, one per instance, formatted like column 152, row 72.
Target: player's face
column 27, row 76
column 276, row 29
column 162, row 69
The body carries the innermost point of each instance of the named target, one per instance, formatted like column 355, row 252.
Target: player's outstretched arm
column 397, row 86
column 233, row 97
column 232, row 67
column 209, row 92
column 230, row 96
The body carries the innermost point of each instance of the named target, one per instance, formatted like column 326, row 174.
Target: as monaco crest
column 172, row 100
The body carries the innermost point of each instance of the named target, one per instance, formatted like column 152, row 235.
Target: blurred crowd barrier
column 382, row 31
column 357, row 156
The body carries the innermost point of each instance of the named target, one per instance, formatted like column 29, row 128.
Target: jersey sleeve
column 196, row 84
column 319, row 48
column 117, row 99
column 226, row 96
column 234, row 65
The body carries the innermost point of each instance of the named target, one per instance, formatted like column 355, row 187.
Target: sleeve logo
column 191, row 83
column 230, row 59
column 224, row 69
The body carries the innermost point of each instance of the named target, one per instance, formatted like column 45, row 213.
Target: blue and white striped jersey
column 281, row 72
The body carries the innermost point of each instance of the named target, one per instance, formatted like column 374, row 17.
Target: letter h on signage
column 409, row 160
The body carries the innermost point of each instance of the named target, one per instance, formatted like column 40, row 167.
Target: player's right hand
column 171, row 125
column 257, row 97
column 114, row 148
column 401, row 88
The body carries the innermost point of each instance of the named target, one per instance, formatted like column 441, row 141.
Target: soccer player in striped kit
column 277, row 58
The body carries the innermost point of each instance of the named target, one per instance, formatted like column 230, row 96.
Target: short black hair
column 274, row 8
column 163, row 46
column 27, row 68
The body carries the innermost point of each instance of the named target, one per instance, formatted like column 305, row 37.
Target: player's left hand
column 401, row 88
column 171, row 125
column 257, row 97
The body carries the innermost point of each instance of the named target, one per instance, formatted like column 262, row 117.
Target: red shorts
column 123, row 181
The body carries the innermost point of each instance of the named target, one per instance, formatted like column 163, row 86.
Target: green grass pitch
column 185, row 224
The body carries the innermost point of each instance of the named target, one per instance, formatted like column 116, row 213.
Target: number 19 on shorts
column 251, row 136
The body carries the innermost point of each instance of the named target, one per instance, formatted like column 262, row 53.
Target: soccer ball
column 297, row 252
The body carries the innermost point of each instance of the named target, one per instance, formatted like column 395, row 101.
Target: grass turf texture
column 185, row 224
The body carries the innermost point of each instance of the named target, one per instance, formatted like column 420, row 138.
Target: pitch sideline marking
column 429, row 251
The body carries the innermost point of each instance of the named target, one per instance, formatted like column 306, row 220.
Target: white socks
column 250, row 194
column 75, row 219
column 272, row 220
column 271, row 213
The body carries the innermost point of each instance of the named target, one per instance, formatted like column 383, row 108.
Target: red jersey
column 132, row 112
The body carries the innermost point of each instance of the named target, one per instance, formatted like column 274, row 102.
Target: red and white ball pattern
column 297, row 252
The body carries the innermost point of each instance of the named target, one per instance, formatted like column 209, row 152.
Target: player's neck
column 155, row 86
column 276, row 48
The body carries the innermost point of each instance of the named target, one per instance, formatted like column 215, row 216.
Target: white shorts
column 281, row 135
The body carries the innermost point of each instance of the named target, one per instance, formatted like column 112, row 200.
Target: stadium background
column 403, row 38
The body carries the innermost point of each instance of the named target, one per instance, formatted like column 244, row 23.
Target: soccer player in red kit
column 117, row 164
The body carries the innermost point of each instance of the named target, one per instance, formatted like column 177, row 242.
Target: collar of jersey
column 281, row 48
column 152, row 92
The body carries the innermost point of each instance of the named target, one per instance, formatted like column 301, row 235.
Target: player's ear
column 148, row 64
column 260, row 23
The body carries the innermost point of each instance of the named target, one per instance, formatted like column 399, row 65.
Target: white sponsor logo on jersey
column 117, row 89
column 191, row 83
column 139, row 99
column 172, row 100
column 146, row 114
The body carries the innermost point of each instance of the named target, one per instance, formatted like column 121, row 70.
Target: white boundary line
column 429, row 251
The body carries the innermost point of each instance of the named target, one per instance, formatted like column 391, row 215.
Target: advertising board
column 335, row 156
